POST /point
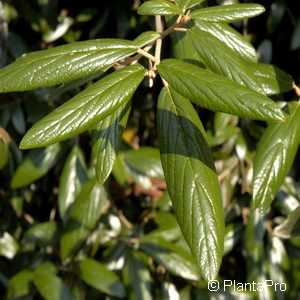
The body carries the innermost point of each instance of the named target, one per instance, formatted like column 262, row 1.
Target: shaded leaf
column 85, row 109
column 290, row 227
column 20, row 284
column 217, row 93
column 4, row 154
column 227, row 13
column 191, row 179
column 35, row 165
column 98, row 276
column 159, row 7
column 63, row 63
column 275, row 155
column 83, row 217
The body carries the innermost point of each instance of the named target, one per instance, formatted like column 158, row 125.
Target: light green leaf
column 220, row 59
column 98, row 276
column 216, row 92
column 73, row 176
column 146, row 38
column 83, row 217
column 274, row 158
column 50, row 286
column 106, row 138
column 159, row 7
column 191, row 179
column 8, row 245
column 290, row 227
column 136, row 277
column 188, row 3
column 85, row 109
column 231, row 38
column 35, row 165
column 43, row 234
column 64, row 63
column 20, row 284
column 227, row 13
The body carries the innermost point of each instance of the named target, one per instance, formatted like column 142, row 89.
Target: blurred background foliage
column 64, row 237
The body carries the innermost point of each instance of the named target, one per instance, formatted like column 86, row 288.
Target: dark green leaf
column 175, row 259
column 83, row 217
column 275, row 155
column 136, row 277
column 43, row 234
column 18, row 119
column 188, row 3
column 227, row 13
column 98, row 276
column 159, row 7
column 35, row 165
column 63, row 63
column 8, row 245
column 146, row 38
column 191, row 179
column 217, row 93
column 4, row 154
column 50, row 286
column 73, row 176
column 290, row 227
column 107, row 138
column 20, row 284
column 85, row 109
column 222, row 60
column 295, row 44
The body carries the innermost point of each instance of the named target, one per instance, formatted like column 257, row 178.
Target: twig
column 146, row 54
column 297, row 89
column 159, row 28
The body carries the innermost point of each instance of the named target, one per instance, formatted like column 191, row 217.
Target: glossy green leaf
column 85, row 109
column 220, row 59
column 159, row 7
column 98, row 276
column 227, row 13
column 275, row 155
column 146, row 38
column 73, row 176
column 231, row 38
column 63, row 63
column 83, row 217
column 145, row 160
column 188, row 3
column 107, row 138
column 191, row 179
column 8, row 245
column 43, row 234
column 290, row 227
column 217, row 93
column 175, row 259
column 50, row 286
column 21, row 284
column 35, row 165
column 136, row 277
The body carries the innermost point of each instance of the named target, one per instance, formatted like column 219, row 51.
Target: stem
column 146, row 54
column 297, row 89
column 159, row 28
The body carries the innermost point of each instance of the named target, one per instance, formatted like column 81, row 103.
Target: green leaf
column 64, row 63
column 175, row 259
column 107, row 139
column 21, row 284
column 35, row 165
column 85, row 109
column 227, row 13
column 222, row 60
column 43, row 234
column 290, row 227
column 4, row 154
column 73, row 176
column 191, row 178
column 50, row 286
column 8, row 245
column 98, row 276
column 217, row 93
column 136, row 277
column 159, row 7
column 188, row 3
column 231, row 38
column 83, row 217
column 274, row 158
column 145, row 160
column 146, row 38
